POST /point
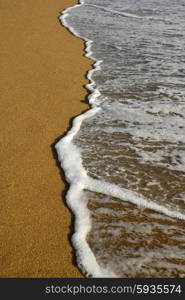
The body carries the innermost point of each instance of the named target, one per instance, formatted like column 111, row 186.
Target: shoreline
column 72, row 166
column 43, row 72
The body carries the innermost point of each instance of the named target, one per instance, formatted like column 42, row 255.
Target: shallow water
column 135, row 242
column 135, row 142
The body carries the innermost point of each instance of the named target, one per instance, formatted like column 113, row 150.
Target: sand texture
column 42, row 78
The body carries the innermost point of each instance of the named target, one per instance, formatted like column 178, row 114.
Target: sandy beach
column 42, row 78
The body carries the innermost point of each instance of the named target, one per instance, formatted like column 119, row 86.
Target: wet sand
column 42, row 78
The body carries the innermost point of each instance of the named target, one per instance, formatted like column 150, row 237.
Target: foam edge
column 71, row 162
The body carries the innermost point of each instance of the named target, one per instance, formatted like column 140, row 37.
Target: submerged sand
column 42, row 78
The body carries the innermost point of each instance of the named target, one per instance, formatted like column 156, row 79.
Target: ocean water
column 125, row 157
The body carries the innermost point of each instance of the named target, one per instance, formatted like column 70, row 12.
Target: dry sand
column 42, row 78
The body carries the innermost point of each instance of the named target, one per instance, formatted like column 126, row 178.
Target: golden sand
column 42, row 78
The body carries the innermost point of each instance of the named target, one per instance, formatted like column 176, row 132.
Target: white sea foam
column 123, row 14
column 70, row 157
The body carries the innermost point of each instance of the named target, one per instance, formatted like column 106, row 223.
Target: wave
column 70, row 158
